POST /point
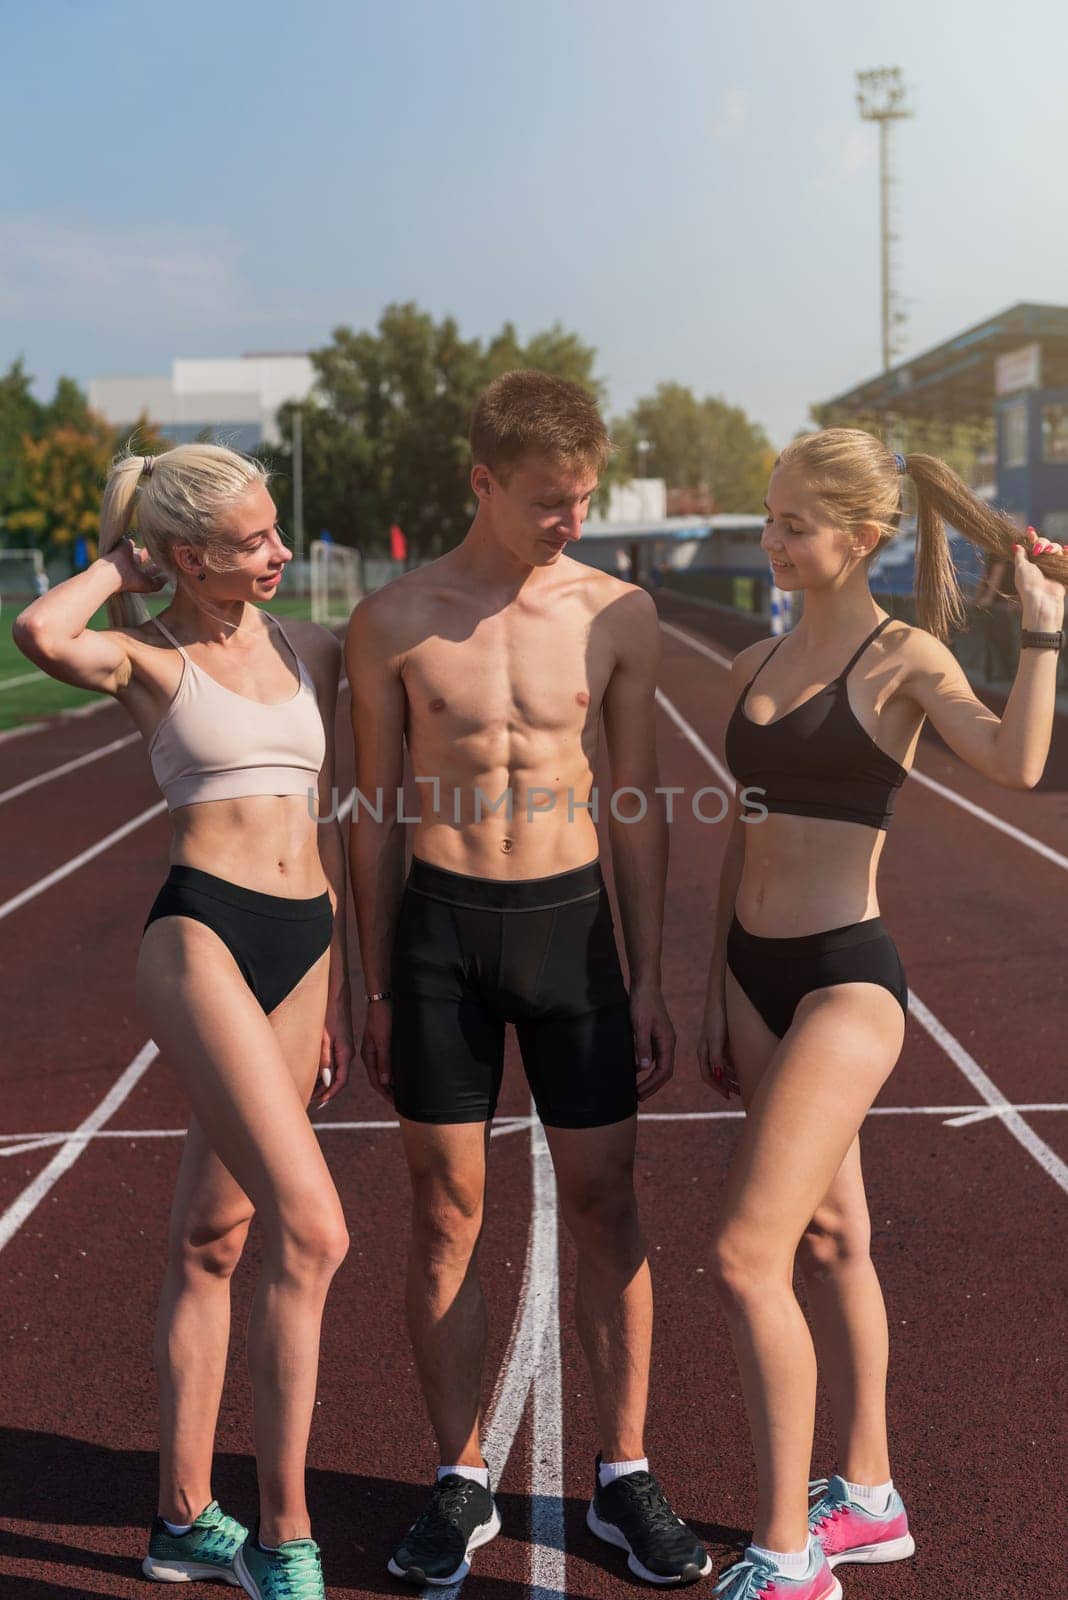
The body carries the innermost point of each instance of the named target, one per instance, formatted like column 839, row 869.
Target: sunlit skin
column 268, row 836
column 794, row 1194
column 497, row 665
column 801, row 873
column 249, row 1077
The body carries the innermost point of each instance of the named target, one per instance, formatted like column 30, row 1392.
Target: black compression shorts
column 472, row 954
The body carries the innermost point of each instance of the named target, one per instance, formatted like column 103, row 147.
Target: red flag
column 398, row 544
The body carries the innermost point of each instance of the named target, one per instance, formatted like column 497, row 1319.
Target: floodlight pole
column 881, row 99
column 298, row 483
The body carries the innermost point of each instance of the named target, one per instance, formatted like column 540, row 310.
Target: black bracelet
column 1030, row 640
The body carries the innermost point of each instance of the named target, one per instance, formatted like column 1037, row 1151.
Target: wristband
column 383, row 994
column 1030, row 640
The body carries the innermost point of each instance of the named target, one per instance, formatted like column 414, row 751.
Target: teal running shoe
column 756, row 1578
column 292, row 1572
column 206, row 1551
column 848, row 1531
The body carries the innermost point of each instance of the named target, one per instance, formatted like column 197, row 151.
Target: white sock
column 875, row 1498
column 793, row 1562
column 608, row 1471
column 177, row 1528
column 476, row 1474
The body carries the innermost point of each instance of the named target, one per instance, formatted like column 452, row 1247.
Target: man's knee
column 600, row 1212
column 446, row 1219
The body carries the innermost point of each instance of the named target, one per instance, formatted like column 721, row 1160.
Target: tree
column 697, row 444
column 385, row 433
column 64, row 471
column 20, row 416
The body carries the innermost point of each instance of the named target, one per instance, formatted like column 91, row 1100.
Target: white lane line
column 64, row 1158
column 79, row 861
column 537, row 1305
column 941, row 789
column 993, row 821
column 697, row 644
column 43, row 723
column 984, row 1086
column 23, row 677
column 695, row 739
column 548, row 1548
column 68, row 766
column 1047, row 1159
column 17, row 1144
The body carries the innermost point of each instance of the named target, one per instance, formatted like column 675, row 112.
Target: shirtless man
column 497, row 663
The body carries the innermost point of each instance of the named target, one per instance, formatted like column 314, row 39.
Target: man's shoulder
column 604, row 591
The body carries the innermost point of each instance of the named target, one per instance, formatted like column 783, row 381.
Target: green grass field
column 26, row 694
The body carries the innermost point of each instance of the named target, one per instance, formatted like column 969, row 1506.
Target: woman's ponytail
column 860, row 481
column 116, row 515
column 941, row 497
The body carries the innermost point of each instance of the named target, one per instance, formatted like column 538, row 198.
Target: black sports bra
column 817, row 760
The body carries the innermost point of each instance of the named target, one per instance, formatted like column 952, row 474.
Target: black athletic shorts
column 472, row 954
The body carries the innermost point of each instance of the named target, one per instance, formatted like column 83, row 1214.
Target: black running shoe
column 633, row 1514
column 459, row 1516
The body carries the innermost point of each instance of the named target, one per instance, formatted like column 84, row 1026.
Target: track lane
column 949, row 1205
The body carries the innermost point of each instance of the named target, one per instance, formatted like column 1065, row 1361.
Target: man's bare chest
column 520, row 679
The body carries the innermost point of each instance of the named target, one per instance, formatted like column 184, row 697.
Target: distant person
column 497, row 665
column 807, row 997
column 242, row 970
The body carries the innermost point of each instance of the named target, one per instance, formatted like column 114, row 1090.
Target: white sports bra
column 216, row 744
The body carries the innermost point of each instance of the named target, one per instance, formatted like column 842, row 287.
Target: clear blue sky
column 685, row 184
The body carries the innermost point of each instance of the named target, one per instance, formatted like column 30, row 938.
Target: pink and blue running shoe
column 757, row 1578
column 850, row 1532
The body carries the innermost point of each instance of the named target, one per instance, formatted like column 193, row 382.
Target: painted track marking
column 67, row 766
column 941, row 789
column 17, row 1144
column 984, row 1086
column 535, row 1325
column 548, row 1546
column 77, row 861
column 64, row 1158
column 23, row 677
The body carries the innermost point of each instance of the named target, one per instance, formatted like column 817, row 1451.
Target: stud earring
column 201, row 576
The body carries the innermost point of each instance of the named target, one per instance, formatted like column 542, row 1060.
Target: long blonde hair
column 857, row 477
column 179, row 497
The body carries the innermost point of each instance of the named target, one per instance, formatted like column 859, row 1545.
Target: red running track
column 967, row 1218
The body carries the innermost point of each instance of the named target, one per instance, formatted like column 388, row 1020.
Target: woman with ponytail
column 806, row 1001
column 242, row 970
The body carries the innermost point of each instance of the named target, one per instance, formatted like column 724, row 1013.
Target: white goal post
column 336, row 581
column 22, row 576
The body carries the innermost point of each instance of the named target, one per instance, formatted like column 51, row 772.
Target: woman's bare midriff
column 264, row 842
column 806, row 874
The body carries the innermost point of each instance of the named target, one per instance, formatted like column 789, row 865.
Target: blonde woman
column 806, row 1001
column 242, row 971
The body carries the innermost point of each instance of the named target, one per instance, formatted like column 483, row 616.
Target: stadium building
column 233, row 401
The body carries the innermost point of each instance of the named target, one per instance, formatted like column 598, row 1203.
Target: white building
column 234, row 399
column 637, row 500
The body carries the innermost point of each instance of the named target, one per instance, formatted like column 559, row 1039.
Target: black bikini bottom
column 776, row 974
column 274, row 941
